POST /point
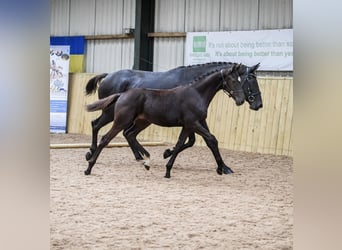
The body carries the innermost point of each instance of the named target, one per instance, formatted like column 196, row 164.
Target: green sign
column 199, row 44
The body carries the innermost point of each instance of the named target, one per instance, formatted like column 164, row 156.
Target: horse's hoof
column 147, row 167
column 219, row 171
column 88, row 156
column 167, row 153
column 227, row 170
column 87, row 172
column 167, row 176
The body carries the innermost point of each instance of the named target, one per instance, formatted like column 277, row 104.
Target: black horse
column 123, row 80
column 183, row 106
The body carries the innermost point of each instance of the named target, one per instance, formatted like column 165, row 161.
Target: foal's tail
column 103, row 103
column 92, row 83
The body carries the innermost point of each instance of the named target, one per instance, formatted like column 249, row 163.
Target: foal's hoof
column 219, row 171
column 87, row 172
column 147, row 167
column 88, row 156
column 167, row 153
column 227, row 170
column 224, row 170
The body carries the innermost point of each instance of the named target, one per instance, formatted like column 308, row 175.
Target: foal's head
column 232, row 85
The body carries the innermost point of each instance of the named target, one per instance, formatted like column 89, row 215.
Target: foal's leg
column 182, row 137
column 123, row 119
column 104, row 142
column 190, row 143
column 139, row 151
column 106, row 117
column 202, row 129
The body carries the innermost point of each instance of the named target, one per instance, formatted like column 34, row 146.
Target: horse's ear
column 236, row 66
column 230, row 70
column 255, row 67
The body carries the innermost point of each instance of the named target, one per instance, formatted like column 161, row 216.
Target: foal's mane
column 203, row 76
column 208, row 73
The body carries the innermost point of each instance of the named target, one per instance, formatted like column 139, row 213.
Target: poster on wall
column 59, row 76
column 272, row 48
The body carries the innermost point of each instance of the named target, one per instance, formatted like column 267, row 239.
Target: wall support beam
column 143, row 45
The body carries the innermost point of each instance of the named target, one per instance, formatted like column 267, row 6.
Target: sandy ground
column 123, row 206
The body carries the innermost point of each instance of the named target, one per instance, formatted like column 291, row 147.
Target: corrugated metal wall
column 95, row 17
column 215, row 15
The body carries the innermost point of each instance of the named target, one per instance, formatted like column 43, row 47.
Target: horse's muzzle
column 239, row 101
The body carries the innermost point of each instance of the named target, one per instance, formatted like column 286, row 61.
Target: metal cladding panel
column 82, row 17
column 108, row 17
column 168, row 53
column 128, row 20
column 127, row 57
column 169, row 16
column 275, row 14
column 202, row 15
column 59, row 19
column 238, row 15
column 109, row 55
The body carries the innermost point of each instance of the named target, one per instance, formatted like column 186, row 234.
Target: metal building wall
column 59, row 17
column 214, row 15
column 97, row 17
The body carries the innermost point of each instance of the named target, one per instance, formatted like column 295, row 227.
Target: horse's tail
column 92, row 83
column 103, row 103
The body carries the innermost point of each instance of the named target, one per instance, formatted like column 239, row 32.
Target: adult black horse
column 183, row 106
column 123, row 80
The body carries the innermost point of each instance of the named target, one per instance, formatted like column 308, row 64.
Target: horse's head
column 250, row 86
column 232, row 85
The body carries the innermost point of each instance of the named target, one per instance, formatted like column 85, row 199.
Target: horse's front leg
column 212, row 143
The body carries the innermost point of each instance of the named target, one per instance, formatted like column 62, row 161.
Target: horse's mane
column 208, row 73
column 202, row 65
column 206, row 64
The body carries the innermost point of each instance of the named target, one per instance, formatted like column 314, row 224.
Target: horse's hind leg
column 122, row 120
column 190, row 143
column 106, row 117
column 139, row 151
column 103, row 143
column 131, row 134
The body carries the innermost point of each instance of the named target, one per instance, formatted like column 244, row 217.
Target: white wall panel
column 275, row 14
column 169, row 16
column 202, row 15
column 127, row 58
column 168, row 53
column 128, row 20
column 107, row 56
column 238, row 15
column 59, row 17
column 93, row 17
column 82, row 17
column 109, row 16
